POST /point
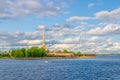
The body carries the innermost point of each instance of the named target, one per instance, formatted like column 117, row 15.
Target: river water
column 99, row 68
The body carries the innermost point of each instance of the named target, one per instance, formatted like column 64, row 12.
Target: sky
column 89, row 26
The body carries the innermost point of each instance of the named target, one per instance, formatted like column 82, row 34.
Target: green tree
column 79, row 54
column 17, row 53
column 24, row 51
column 65, row 51
column 31, row 52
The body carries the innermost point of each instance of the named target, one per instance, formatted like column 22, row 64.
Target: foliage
column 31, row 52
column 64, row 51
column 59, row 51
column 118, row 54
column 79, row 54
column 17, row 53
column 4, row 54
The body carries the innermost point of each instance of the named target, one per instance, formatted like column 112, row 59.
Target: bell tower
column 43, row 42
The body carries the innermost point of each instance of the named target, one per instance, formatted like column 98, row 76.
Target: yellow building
column 61, row 54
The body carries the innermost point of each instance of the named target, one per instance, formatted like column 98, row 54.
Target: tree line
column 31, row 52
column 23, row 52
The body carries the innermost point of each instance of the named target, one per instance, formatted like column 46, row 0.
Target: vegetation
column 79, row 54
column 31, row 52
column 35, row 52
column 118, row 54
column 4, row 54
column 23, row 52
column 59, row 51
column 64, row 51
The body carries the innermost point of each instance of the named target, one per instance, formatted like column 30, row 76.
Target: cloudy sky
column 91, row 26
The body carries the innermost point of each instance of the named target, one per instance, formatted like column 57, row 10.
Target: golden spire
column 43, row 42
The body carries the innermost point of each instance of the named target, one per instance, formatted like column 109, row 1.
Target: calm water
column 100, row 68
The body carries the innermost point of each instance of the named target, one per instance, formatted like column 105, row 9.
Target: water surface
column 99, row 68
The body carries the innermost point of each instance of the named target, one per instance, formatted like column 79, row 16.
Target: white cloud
column 90, row 5
column 115, row 46
column 30, row 42
column 98, row 3
column 41, row 27
column 107, row 16
column 59, row 37
column 62, row 46
column 95, row 38
column 83, row 23
column 33, row 38
column 71, row 40
column 113, row 15
column 108, row 29
column 16, row 8
column 77, row 18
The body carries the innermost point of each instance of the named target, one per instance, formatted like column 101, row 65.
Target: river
column 99, row 68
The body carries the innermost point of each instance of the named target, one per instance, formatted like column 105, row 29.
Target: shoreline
column 86, row 57
column 38, row 58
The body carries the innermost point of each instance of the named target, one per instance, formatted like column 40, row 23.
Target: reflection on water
column 99, row 68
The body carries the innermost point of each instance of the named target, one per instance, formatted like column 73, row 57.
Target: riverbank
column 85, row 56
column 37, row 58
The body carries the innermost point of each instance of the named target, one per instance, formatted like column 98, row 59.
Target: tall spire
column 43, row 41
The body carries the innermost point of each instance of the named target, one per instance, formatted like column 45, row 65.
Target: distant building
column 61, row 54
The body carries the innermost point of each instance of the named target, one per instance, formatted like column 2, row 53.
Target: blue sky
column 77, row 25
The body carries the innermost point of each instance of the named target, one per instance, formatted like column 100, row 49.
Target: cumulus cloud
column 30, row 42
column 108, row 29
column 97, row 44
column 62, row 46
column 34, row 38
column 114, row 48
column 113, row 15
column 77, row 18
column 107, row 16
column 16, row 8
column 60, row 36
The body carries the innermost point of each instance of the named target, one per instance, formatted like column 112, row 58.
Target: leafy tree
column 65, row 51
column 2, row 54
column 17, row 53
column 36, row 52
column 31, row 52
column 24, row 51
column 79, row 54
